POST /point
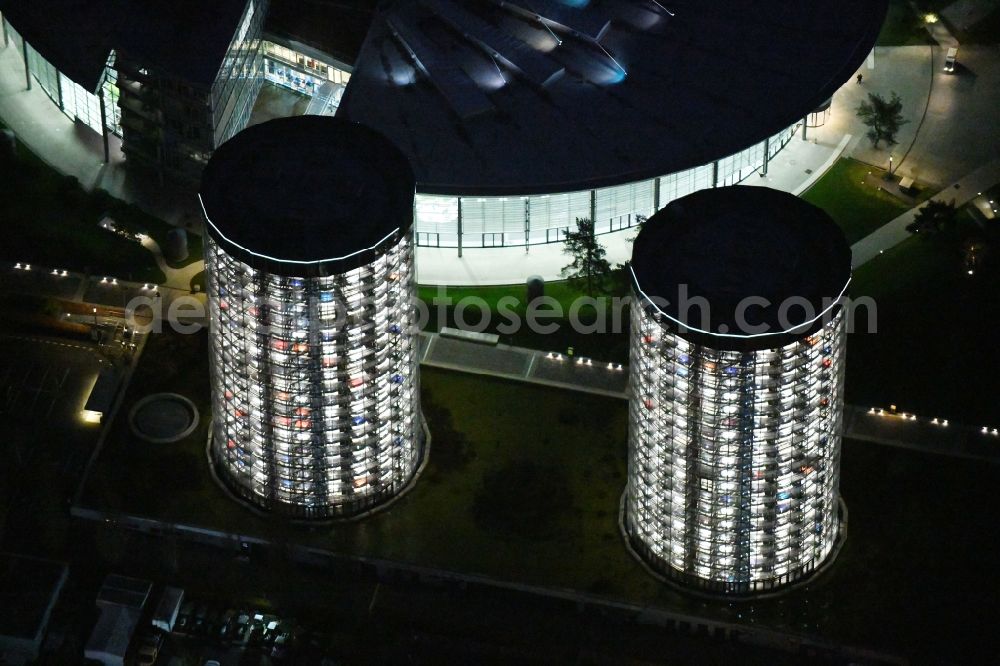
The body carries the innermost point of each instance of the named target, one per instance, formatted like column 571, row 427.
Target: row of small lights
column 878, row 411
column 63, row 273
column 556, row 356
column 27, row 267
column 992, row 203
column 903, row 415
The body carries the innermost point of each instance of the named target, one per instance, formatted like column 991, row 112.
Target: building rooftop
column 186, row 38
column 124, row 591
column 75, row 36
column 306, row 195
column 539, row 96
column 729, row 244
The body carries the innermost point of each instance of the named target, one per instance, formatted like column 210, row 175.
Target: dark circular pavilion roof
column 549, row 96
column 729, row 244
column 307, row 196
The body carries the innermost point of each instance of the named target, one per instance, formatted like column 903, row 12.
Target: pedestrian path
column 76, row 150
column 922, row 433
column 919, row 433
column 894, row 233
column 937, row 29
column 526, row 365
column 177, row 278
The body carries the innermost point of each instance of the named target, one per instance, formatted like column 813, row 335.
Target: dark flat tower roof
column 546, row 96
column 307, row 196
column 729, row 244
column 75, row 36
column 186, row 38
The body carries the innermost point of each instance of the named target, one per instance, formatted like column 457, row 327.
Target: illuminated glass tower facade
column 735, row 417
column 309, row 264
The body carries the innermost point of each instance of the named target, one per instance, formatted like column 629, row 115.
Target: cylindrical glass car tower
column 314, row 369
column 738, row 342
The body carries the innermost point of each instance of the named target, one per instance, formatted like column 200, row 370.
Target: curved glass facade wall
column 74, row 100
column 734, row 457
column 314, row 383
column 449, row 221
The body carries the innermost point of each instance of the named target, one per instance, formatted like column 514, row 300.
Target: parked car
column 228, row 625
column 198, row 623
column 282, row 645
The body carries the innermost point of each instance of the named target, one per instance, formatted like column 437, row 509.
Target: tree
column 589, row 269
column 640, row 220
column 935, row 216
column 883, row 118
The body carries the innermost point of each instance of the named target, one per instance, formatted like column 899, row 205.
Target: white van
column 950, row 60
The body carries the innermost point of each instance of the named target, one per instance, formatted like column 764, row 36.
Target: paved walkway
column 76, row 150
column 177, row 278
column 797, row 168
column 938, row 30
column 907, row 70
column 920, row 433
column 611, row 380
column 894, row 233
column 526, row 365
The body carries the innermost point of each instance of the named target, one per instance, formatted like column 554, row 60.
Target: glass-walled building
column 518, row 118
column 95, row 103
column 303, row 70
column 513, row 221
column 521, row 118
column 175, row 113
column 736, row 413
column 313, row 340
column 238, row 82
column 172, row 84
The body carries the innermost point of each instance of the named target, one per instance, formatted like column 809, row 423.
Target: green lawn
column 523, row 484
column 50, row 220
column 858, row 208
column 602, row 346
column 560, row 291
column 934, row 350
